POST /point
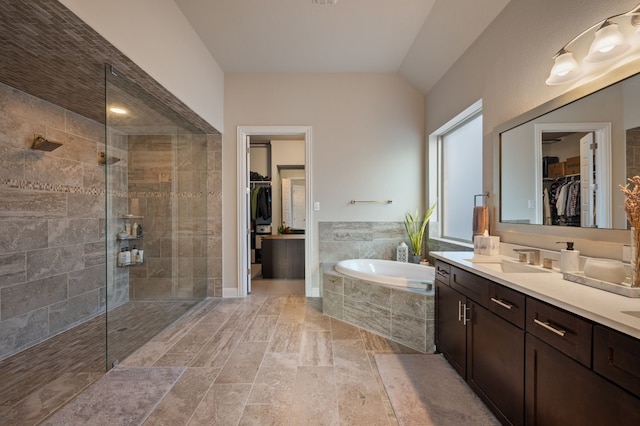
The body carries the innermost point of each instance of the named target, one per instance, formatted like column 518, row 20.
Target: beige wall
column 507, row 67
column 157, row 37
column 367, row 143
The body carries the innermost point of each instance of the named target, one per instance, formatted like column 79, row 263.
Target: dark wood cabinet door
column 451, row 331
column 495, row 364
column 561, row 391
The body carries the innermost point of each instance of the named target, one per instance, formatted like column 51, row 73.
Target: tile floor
column 267, row 359
column 36, row 381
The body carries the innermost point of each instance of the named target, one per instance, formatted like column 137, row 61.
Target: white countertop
column 597, row 305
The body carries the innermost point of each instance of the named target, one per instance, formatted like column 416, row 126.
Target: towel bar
column 371, row 201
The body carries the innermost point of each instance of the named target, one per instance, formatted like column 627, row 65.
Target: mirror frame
column 571, row 95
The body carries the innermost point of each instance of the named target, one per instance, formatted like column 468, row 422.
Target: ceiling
column 419, row 39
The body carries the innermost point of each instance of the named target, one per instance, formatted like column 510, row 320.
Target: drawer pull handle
column 549, row 327
column 442, row 273
column 502, row 303
column 460, row 305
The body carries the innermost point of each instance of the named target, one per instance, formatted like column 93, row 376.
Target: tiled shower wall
column 633, row 152
column 167, row 186
column 52, row 212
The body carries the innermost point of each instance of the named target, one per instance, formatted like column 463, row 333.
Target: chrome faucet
column 531, row 256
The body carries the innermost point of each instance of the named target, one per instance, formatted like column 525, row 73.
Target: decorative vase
column 635, row 257
column 415, row 258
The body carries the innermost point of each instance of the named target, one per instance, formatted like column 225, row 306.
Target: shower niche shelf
column 126, row 235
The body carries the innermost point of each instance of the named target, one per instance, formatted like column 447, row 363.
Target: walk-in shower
column 156, row 215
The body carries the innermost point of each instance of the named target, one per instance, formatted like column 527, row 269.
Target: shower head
column 42, row 144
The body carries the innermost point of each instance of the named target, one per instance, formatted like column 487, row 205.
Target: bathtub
column 389, row 272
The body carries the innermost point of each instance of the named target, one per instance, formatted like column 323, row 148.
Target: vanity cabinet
column 562, row 391
column 283, row 257
column 451, row 334
column 617, row 357
column 486, row 349
column 531, row 362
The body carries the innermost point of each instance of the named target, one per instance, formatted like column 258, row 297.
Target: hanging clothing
column 263, row 203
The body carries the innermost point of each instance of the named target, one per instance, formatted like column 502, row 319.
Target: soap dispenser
column 569, row 258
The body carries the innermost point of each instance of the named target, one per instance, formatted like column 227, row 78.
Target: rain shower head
column 42, row 144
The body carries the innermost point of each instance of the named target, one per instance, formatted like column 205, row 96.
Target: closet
column 565, row 192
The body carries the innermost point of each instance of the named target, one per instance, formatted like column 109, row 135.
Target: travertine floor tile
column 125, row 395
column 316, row 348
column 177, row 407
column 218, row 350
column 287, row 338
column 314, row 398
column 275, row 379
column 222, row 405
column 243, row 364
column 342, row 331
column 261, row 329
column 361, row 404
column 265, row 415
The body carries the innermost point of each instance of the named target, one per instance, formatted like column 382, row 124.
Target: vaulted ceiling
column 419, row 39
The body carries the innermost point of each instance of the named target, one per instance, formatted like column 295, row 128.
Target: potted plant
column 416, row 227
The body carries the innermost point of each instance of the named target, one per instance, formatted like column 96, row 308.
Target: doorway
column 246, row 228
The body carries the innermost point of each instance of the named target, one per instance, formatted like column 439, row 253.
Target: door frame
column 244, row 266
column 602, row 136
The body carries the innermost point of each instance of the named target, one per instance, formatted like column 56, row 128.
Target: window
column 455, row 172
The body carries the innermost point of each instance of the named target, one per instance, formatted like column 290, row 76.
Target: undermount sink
column 509, row 267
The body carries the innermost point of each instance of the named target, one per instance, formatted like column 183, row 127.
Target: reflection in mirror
column 564, row 167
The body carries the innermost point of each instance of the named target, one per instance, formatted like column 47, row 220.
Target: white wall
column 367, row 136
column 157, row 37
column 507, row 67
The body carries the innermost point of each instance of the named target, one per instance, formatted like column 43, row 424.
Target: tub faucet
column 531, row 256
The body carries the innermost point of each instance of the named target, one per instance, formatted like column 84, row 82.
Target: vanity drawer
column 616, row 356
column 507, row 303
column 569, row 333
column 474, row 287
column 443, row 272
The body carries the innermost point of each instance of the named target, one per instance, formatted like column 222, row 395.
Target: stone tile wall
column 52, row 221
column 359, row 240
column 402, row 315
column 633, row 152
column 370, row 240
column 214, row 215
column 167, row 186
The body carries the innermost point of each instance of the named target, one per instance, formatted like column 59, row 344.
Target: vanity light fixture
column 609, row 43
column 324, row 1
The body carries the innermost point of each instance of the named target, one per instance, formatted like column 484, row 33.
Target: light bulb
column 564, row 69
column 608, row 43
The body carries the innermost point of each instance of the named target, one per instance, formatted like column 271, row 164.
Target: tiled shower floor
column 38, row 380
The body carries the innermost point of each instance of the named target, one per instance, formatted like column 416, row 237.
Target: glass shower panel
column 156, row 173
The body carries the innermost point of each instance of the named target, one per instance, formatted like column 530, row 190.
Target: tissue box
column 488, row 246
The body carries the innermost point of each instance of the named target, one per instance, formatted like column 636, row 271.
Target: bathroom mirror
column 578, row 153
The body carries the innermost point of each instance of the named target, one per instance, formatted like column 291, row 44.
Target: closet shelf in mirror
column 551, row 179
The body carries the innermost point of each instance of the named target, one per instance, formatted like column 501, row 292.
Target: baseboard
column 229, row 292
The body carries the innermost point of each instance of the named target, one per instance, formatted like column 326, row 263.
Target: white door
column 248, row 214
column 587, row 183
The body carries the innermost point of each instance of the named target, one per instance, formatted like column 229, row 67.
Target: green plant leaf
column 416, row 226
